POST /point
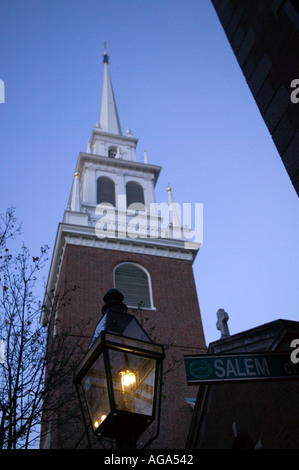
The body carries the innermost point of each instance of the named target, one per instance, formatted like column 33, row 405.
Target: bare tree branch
column 34, row 366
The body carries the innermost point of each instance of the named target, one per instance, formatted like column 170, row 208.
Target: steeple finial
column 75, row 201
column 106, row 57
column 174, row 220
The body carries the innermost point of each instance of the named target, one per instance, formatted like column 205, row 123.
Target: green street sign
column 224, row 368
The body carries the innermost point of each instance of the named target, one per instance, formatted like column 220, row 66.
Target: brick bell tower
column 112, row 236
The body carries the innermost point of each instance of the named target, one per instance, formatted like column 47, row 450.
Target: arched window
column 105, row 190
column 134, row 193
column 133, row 282
column 112, row 152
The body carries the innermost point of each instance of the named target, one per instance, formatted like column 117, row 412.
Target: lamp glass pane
column 133, row 343
column 96, row 392
column 133, row 380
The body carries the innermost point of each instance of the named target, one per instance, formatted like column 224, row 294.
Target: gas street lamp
column 121, row 375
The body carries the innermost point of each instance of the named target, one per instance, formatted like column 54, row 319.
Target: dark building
column 250, row 415
column 264, row 36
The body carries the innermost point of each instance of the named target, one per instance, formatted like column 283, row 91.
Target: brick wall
column 176, row 323
column 267, row 412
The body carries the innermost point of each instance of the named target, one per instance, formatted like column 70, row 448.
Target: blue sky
column 179, row 88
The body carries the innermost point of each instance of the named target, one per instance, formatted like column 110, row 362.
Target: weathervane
column 105, row 60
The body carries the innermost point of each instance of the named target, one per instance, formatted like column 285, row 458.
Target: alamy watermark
column 153, row 222
column 295, row 93
column 295, row 354
column 2, row 91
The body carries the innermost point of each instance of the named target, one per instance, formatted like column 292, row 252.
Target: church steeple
column 108, row 120
column 114, row 235
column 107, row 138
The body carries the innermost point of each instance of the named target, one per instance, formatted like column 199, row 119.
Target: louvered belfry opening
column 133, row 283
column 112, row 152
column 134, row 193
column 105, row 190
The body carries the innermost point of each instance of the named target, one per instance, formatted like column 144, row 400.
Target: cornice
column 117, row 163
column 107, row 135
column 68, row 234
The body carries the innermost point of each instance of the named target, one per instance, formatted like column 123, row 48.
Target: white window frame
column 149, row 283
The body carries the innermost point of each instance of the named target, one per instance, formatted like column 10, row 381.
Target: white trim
column 70, row 234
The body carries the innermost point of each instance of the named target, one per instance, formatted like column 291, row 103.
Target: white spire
column 76, row 200
column 107, row 135
column 109, row 120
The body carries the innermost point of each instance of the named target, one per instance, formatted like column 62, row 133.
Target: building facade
column 112, row 236
column 264, row 37
column 250, row 414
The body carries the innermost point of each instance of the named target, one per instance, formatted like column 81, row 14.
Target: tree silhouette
column 31, row 366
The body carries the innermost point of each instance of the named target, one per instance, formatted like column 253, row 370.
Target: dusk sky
column 179, row 88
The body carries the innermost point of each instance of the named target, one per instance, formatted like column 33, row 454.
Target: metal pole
column 126, row 441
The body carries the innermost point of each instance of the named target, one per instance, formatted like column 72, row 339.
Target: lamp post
column 121, row 375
